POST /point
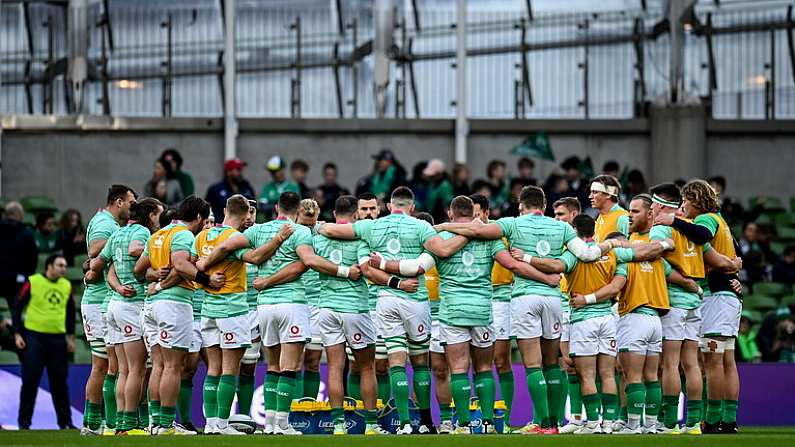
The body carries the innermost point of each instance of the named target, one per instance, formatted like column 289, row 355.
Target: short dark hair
column 174, row 154
column 237, row 205
column 645, row 198
column 610, row 165
column 494, row 164
column 422, row 215
column 299, row 164
column 140, row 210
column 116, row 192
column 525, row 162
column 616, row 235
column 533, row 197
column 367, row 196
column 479, row 184
column 572, row 162
column 43, row 217
column 480, row 200
column 289, row 202
column 667, row 191
column 402, row 193
column 462, row 206
column 193, row 206
column 167, row 216
column 571, row 204
column 51, row 260
column 329, row 165
column 719, row 179
column 346, row 205
column 585, row 225
column 789, row 250
column 517, row 181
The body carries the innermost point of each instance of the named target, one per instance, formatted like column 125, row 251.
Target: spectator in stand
column 611, row 167
column 72, row 235
column 174, row 159
column 45, row 338
column 419, row 185
column 163, row 185
column 577, row 185
column 387, row 175
column 784, row 269
column 233, row 183
column 776, row 338
column 18, row 252
column 271, row 191
column 511, row 207
column 440, row 191
column 460, row 180
column 636, row 184
column 482, row 187
column 557, row 187
column 328, row 192
column 298, row 171
column 525, row 168
column 747, row 351
column 730, row 209
column 46, row 233
column 497, row 176
column 751, row 252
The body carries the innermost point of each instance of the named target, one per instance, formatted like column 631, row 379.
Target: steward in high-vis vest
column 44, row 335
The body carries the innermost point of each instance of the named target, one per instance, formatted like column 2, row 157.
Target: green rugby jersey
column 259, row 234
column 536, row 235
column 465, row 283
column 198, row 301
column 182, row 240
column 363, row 251
column 101, row 226
column 231, row 299
column 397, row 237
column 117, row 252
column 336, row 293
column 251, row 292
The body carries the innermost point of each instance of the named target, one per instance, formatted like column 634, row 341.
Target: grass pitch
column 749, row 437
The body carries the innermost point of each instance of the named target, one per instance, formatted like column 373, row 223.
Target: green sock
column 143, row 415
column 370, row 417
column 400, row 388
column 485, row 390
column 210, row 396
column 575, row 396
column 94, row 417
column 694, row 410
column 653, row 400
column 506, row 393
column 704, row 398
column 298, row 388
column 636, row 402
column 285, row 391
column 422, row 386
column 553, row 375
column 167, row 415
column 185, row 401
column 109, row 396
column 564, row 396
column 354, row 386
column 623, row 414
column 713, row 411
column 226, row 394
column 338, row 415
column 131, row 420
column 245, row 394
column 591, row 402
column 445, row 412
column 537, row 385
column 729, row 411
column 121, row 421
column 311, row 384
column 384, row 387
column 154, row 411
column 85, row 413
column 609, row 406
column 461, row 391
column 670, row 409
column 269, row 390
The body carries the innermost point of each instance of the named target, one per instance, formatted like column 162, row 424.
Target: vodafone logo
column 556, row 327
column 421, row 328
column 128, row 329
column 294, row 330
column 164, row 335
column 229, row 337
column 613, row 345
column 89, row 329
column 357, row 337
column 486, row 336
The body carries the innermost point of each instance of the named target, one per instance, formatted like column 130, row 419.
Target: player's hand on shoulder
column 285, row 232
column 664, row 219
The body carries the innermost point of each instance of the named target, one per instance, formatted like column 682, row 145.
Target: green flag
column 535, row 146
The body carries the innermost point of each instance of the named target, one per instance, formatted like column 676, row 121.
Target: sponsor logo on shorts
column 295, row 330
column 556, row 327
column 357, row 337
column 89, row 330
column 612, row 345
column 486, row 335
column 128, row 329
column 421, row 328
column 229, row 337
column 164, row 335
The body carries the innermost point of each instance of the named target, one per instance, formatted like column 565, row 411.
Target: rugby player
column 605, row 190
column 309, row 383
column 248, row 366
column 100, row 386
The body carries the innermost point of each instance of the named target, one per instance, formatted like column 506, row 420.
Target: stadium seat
column 8, row 358
column 792, row 204
column 785, row 220
column 771, row 289
column 767, row 203
column 74, row 274
column 759, row 303
column 37, row 204
column 80, row 259
column 788, row 300
column 785, row 233
column 778, row 247
column 754, row 315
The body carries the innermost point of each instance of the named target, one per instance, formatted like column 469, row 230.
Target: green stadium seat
column 74, row 274
column 82, row 352
column 767, row 203
column 36, row 204
column 785, row 220
column 754, row 315
column 771, row 289
column 3, row 305
column 792, row 204
column 778, row 247
column 8, row 358
column 785, row 233
column 759, row 303
column 80, row 259
column 787, row 300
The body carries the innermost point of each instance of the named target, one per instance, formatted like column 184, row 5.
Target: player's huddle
column 386, row 291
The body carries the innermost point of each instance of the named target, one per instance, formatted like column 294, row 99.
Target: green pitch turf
column 749, row 437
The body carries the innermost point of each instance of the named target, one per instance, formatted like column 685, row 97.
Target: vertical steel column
column 584, row 66
column 295, row 83
column 461, row 123
column 354, row 101
column 230, row 80
column 168, row 64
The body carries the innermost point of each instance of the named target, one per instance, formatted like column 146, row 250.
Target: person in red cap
column 233, row 183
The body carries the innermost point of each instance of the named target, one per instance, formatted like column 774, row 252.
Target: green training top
column 336, row 293
column 101, row 226
column 117, row 252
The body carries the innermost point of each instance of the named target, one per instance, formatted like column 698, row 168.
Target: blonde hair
column 701, row 195
column 309, row 208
